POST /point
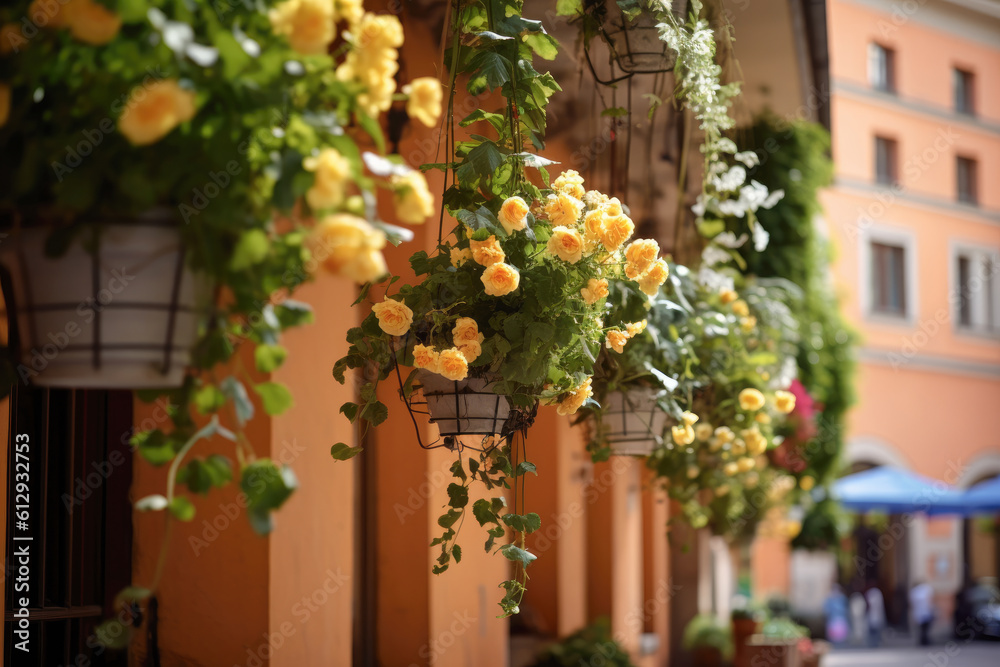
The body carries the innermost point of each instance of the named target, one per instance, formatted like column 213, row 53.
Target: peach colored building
column 914, row 214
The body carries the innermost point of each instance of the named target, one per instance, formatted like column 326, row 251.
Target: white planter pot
column 466, row 407
column 124, row 317
column 633, row 422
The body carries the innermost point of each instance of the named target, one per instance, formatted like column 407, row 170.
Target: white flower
column 773, row 199
column 749, row 158
column 727, row 145
column 713, row 255
column 760, row 237
column 699, row 206
column 731, row 180
column 729, row 240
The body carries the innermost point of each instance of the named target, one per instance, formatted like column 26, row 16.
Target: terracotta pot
column 765, row 652
column 119, row 311
column 633, row 422
column 464, row 407
column 743, row 629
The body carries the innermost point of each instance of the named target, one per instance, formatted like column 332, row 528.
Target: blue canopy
column 896, row 491
column 983, row 498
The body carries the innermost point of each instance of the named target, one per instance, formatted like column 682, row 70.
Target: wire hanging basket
column 632, row 39
column 463, row 407
column 633, row 422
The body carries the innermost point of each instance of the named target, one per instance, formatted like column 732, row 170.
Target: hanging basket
column 633, row 43
column 633, row 422
column 465, row 407
column 118, row 310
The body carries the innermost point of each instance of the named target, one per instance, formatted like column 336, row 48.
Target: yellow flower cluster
column 450, row 363
column 575, row 399
column 596, row 289
column 349, row 247
column 373, row 62
column 488, row 252
column 153, row 110
column 616, row 338
column 751, row 399
column 754, row 440
column 332, row 172
column 467, row 338
column 309, row 25
column 394, row 317
column 412, row 197
column 424, row 102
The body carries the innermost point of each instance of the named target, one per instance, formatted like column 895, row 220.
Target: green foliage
column 706, row 630
column 591, row 645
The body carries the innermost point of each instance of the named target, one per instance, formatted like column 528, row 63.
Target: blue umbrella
column 983, row 498
column 896, row 491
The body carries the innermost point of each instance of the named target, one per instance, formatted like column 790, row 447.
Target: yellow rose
column 595, row 199
column 703, row 431
column 763, row 418
column 593, row 223
column 613, row 208
column 570, row 182
column 500, row 279
column 348, row 246
column 807, row 483
column 309, row 25
column 514, row 214
column 639, row 257
column 725, row 434
column 332, row 172
column 657, row 274
column 426, row 357
column 379, row 31
column 487, row 252
column 394, row 317
column 424, row 102
column 746, row 464
column 90, row 22
column 727, row 296
column 576, row 399
column 748, row 323
column 784, row 401
column 566, row 244
column 466, row 331
column 460, row 256
column 596, row 289
column 731, row 468
column 635, row 328
column 563, row 210
column 682, row 434
column 350, row 10
column 452, row 364
column 689, row 418
column 49, row 13
column 616, row 340
column 4, row 103
column 153, row 110
column 413, row 199
column 616, row 230
column 751, row 399
column 740, row 308
column 471, row 350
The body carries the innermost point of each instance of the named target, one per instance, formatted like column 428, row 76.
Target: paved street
column 976, row 654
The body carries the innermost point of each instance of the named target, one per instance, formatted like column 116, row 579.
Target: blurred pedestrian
column 859, row 618
column 835, row 609
column 922, row 607
column 876, row 613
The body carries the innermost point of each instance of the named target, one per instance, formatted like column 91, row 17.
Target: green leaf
column 350, row 410
column 569, row 7
column 293, row 313
column 267, row 488
column 208, row 399
column 154, row 446
column 458, row 495
column 250, row 250
column 482, row 161
column 458, row 471
column 342, row 452
column 544, row 45
column 481, row 510
column 614, row 112
column 234, row 58
column 525, row 467
column 490, row 71
column 269, row 357
column 275, row 396
column 237, row 393
column 181, row 508
column 448, row 519
column 517, row 554
column 153, row 503
column 456, row 553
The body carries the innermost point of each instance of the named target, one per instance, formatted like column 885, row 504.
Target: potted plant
column 746, row 621
column 777, row 643
column 592, row 645
column 175, row 173
column 507, row 312
column 708, row 640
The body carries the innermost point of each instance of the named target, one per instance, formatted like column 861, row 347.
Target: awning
column 983, row 498
column 896, row 491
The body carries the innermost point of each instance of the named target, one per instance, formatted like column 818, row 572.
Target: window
column 886, row 171
column 888, row 279
column 963, row 82
column 881, row 68
column 966, row 175
column 977, row 282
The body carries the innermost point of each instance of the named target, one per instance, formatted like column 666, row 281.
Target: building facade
column 914, row 217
